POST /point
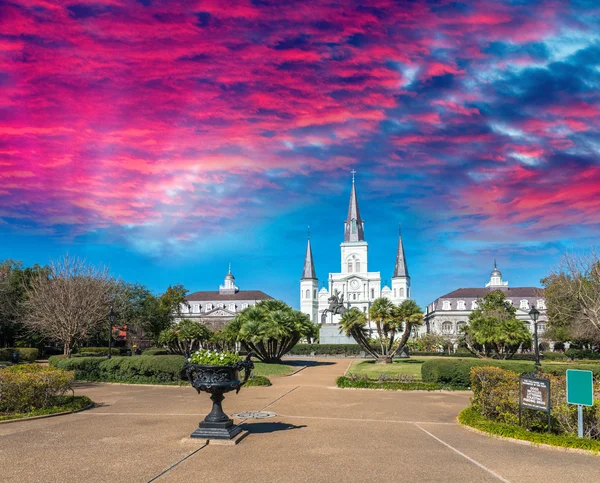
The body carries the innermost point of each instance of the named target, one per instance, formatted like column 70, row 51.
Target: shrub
column 84, row 368
column 496, row 397
column 495, row 393
column 26, row 354
column 470, row 417
column 258, row 381
column 463, row 354
column 26, row 388
column 457, row 372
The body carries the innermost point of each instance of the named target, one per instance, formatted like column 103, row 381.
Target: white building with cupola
column 354, row 285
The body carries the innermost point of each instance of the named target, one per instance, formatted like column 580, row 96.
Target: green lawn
column 268, row 370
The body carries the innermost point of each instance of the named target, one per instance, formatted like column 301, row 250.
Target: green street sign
column 580, row 387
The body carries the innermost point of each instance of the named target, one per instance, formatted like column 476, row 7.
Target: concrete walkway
column 320, row 434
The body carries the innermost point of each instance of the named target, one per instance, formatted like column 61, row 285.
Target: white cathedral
column 354, row 285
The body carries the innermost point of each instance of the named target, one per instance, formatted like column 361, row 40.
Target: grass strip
column 470, row 417
column 346, row 382
column 64, row 404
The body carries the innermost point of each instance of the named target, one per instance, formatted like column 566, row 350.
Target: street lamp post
column 111, row 322
column 534, row 314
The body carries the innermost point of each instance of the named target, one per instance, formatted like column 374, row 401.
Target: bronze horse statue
column 336, row 306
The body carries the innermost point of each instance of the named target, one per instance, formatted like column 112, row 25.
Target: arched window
column 524, row 304
column 541, row 304
column 541, row 327
column 353, row 296
column 357, row 265
column 459, row 327
column 474, row 305
column 394, row 293
column 208, row 307
column 446, row 305
column 350, row 266
column 460, row 305
column 401, row 292
column 232, row 307
column 372, row 293
column 315, row 293
column 446, row 327
column 307, row 293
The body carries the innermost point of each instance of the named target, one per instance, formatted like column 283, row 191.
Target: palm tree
column 390, row 320
column 270, row 329
column 381, row 312
column 354, row 324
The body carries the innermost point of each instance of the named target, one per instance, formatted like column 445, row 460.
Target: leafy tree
column 153, row 314
column 270, row 329
column 432, row 343
column 494, row 330
column 572, row 293
column 393, row 325
column 14, row 280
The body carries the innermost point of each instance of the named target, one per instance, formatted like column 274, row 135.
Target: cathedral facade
column 354, row 285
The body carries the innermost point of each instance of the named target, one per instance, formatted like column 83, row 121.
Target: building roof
column 309, row 265
column 477, row 293
column 239, row 295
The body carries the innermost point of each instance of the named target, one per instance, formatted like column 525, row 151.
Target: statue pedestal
column 330, row 334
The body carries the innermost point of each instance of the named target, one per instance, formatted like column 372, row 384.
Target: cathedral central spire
column 354, row 229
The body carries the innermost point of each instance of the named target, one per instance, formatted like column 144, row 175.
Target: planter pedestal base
column 221, row 430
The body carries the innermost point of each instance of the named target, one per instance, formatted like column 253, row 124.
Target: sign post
column 580, row 391
column 534, row 393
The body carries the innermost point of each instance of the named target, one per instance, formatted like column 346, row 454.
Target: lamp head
column 534, row 314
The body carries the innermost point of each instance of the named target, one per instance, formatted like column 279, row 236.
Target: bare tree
column 573, row 295
column 69, row 303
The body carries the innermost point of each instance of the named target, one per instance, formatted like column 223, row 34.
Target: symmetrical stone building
column 354, row 285
column 447, row 314
column 215, row 309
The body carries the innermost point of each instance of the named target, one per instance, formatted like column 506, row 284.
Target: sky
column 167, row 139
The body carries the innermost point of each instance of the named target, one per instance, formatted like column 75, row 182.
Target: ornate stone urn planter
column 217, row 380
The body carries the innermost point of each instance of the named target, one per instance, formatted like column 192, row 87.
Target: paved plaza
column 319, row 433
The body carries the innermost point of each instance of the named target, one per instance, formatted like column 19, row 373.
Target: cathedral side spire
column 354, row 226
column 400, row 270
column 309, row 265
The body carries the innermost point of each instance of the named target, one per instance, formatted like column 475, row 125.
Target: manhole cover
column 254, row 415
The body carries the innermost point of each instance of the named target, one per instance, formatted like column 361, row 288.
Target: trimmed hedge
column 457, row 372
column 96, row 352
column 582, row 354
column 25, row 388
column 364, row 383
column 326, row 349
column 27, row 354
column 440, row 354
column 155, row 352
column 148, row 369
